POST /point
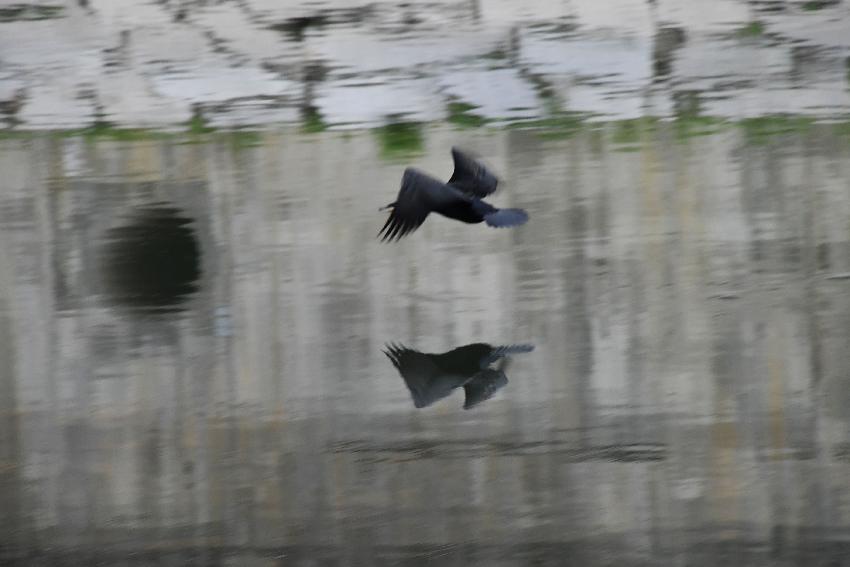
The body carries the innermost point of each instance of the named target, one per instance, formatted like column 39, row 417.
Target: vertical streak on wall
column 45, row 503
column 648, row 328
column 11, row 487
column 224, row 426
column 810, row 267
column 776, row 397
column 811, row 225
column 578, row 331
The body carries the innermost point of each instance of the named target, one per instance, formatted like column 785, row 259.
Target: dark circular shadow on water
column 152, row 263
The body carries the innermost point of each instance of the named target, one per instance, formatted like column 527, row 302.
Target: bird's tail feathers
column 506, row 217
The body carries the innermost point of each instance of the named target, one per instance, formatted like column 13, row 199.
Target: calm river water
column 193, row 331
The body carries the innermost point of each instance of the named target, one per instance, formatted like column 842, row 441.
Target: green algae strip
column 30, row 12
column 815, row 5
column 312, row 121
column 462, row 114
column 400, row 140
column 107, row 131
column 761, row 129
column 403, row 139
column 752, row 29
column 558, row 125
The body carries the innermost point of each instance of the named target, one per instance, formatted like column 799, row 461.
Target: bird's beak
column 387, row 207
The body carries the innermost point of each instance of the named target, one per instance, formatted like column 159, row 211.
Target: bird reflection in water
column 153, row 262
column 431, row 377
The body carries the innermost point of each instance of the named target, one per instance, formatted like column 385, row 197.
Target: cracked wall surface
column 253, row 62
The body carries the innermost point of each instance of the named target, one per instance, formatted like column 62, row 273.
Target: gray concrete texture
column 687, row 403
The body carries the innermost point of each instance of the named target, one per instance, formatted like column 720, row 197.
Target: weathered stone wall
column 259, row 62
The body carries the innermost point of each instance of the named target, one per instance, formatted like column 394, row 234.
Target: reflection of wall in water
column 93, row 374
column 650, row 408
column 87, row 212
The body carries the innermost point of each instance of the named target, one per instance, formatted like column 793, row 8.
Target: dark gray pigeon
column 431, row 377
column 461, row 198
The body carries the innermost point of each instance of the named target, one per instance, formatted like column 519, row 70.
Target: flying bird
column 432, row 377
column 461, row 198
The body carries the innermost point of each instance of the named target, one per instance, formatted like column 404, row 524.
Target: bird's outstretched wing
column 501, row 218
column 427, row 383
column 414, row 202
column 504, row 351
column 471, row 177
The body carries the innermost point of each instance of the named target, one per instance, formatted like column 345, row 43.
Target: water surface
column 230, row 403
